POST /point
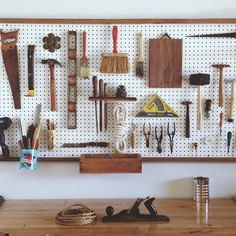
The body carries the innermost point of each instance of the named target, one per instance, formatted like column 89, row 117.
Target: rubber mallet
column 199, row 79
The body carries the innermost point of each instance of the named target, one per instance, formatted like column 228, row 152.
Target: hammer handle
column 53, row 89
column 231, row 109
column 221, row 89
column 199, row 109
column 187, row 125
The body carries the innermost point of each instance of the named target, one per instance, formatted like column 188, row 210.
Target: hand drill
column 5, row 123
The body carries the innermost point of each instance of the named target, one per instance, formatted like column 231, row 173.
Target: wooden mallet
column 221, row 84
column 199, row 79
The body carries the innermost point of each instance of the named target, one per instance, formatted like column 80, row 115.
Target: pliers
column 159, row 139
column 171, row 136
column 147, row 133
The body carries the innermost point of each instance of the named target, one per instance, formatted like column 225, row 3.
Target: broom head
column 116, row 63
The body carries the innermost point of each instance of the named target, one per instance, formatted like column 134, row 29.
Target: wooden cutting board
column 165, row 63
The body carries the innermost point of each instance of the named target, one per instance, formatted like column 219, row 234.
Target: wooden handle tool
column 101, row 94
column 221, row 122
column 231, row 109
column 95, row 94
column 105, row 108
column 221, row 83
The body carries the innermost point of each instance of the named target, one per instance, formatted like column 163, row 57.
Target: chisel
column 31, row 90
column 105, row 108
column 101, row 94
column 95, row 94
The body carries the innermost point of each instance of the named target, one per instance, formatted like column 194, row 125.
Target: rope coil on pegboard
column 76, row 214
column 120, row 114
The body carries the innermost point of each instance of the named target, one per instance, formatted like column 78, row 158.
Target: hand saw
column 157, row 107
column 10, row 59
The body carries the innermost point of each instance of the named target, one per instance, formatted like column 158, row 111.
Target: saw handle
column 9, row 39
column 53, row 88
column 115, row 36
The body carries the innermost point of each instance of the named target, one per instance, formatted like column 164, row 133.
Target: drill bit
column 95, row 93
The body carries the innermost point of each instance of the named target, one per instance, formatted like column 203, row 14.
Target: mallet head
column 199, row 79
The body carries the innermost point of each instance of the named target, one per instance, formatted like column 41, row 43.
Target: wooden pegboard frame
column 134, row 25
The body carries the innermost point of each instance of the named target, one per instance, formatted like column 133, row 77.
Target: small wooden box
column 110, row 163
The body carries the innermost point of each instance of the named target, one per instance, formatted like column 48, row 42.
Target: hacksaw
column 157, row 107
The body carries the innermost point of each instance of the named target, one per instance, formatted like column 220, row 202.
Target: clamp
column 171, row 136
column 147, row 133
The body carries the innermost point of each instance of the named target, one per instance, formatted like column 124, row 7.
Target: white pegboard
column 198, row 56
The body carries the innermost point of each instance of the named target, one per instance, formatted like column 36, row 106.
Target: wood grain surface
column 165, row 63
column 104, row 163
column 36, row 218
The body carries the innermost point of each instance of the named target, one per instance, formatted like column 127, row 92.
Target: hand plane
column 133, row 214
column 10, row 59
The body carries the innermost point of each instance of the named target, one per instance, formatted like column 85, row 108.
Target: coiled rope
column 120, row 114
column 76, row 214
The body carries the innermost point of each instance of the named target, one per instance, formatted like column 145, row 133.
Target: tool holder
column 199, row 55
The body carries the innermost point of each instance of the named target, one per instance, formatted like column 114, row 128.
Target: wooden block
column 165, row 63
column 110, row 163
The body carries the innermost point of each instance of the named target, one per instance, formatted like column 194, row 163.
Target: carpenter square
column 157, row 107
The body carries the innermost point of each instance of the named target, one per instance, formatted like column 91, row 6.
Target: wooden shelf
column 110, row 163
column 113, row 99
column 144, row 159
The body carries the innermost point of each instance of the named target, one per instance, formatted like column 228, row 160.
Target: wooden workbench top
column 36, row 218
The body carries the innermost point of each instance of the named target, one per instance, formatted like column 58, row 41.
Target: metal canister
column 201, row 189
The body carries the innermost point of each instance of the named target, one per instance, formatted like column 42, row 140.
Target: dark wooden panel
column 117, row 163
column 113, row 99
column 165, row 63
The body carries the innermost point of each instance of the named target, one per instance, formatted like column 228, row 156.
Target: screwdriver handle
column 221, row 120
column 95, row 86
column 101, row 88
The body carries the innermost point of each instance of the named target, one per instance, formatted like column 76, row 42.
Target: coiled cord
column 120, row 114
column 76, row 214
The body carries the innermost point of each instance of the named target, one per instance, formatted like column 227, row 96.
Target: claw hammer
column 51, row 63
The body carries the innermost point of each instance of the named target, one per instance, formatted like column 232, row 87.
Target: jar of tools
column 51, row 133
column 28, row 159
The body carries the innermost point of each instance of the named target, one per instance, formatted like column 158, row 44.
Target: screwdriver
column 221, row 122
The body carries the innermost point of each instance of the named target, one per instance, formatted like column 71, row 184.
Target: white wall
column 54, row 180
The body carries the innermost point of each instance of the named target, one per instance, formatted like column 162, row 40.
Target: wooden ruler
column 72, row 80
